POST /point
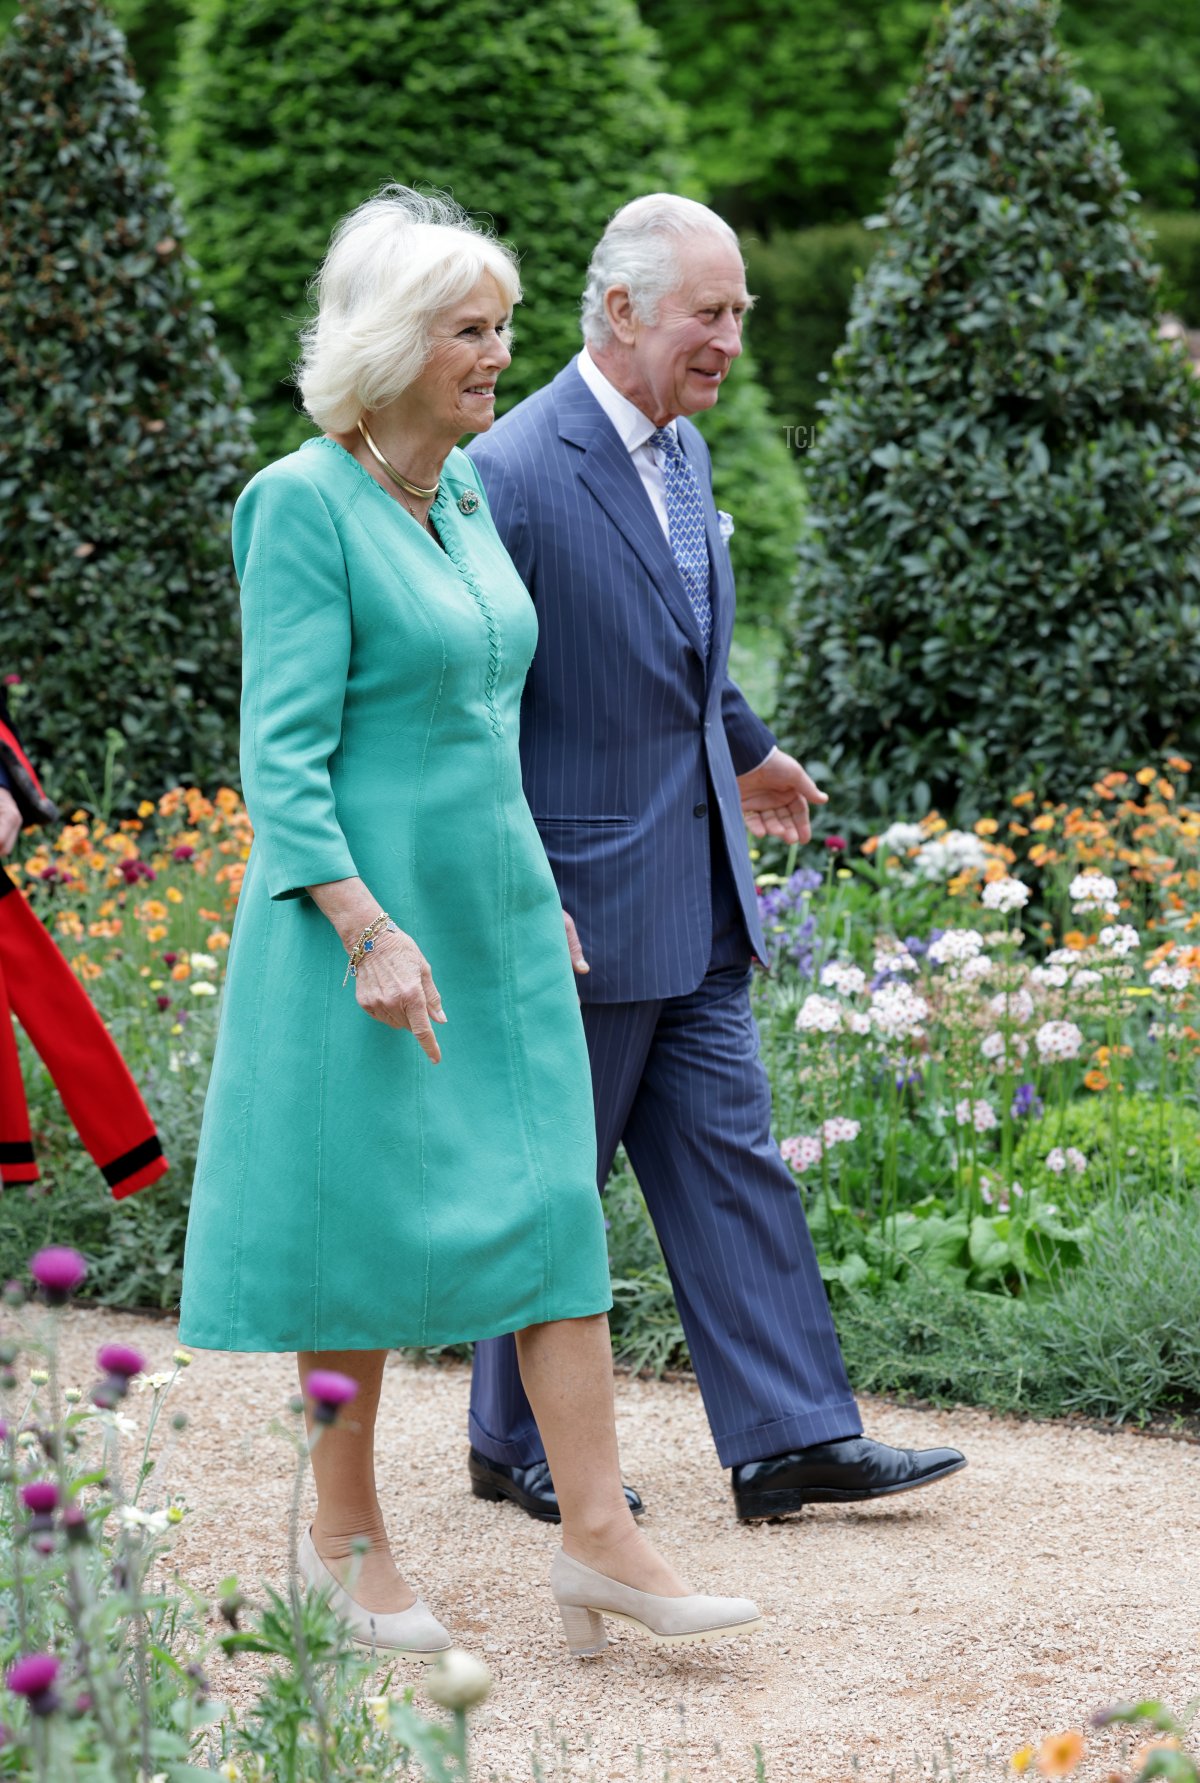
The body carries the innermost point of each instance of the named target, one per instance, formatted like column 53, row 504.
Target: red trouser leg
column 91, row 1076
column 17, row 1162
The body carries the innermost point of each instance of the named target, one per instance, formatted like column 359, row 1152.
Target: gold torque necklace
column 413, row 489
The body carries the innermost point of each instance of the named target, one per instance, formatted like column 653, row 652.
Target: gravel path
column 929, row 1635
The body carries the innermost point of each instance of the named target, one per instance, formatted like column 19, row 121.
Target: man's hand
column 576, row 946
column 10, row 822
column 776, row 797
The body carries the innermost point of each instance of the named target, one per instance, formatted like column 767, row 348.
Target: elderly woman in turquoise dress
column 398, row 1143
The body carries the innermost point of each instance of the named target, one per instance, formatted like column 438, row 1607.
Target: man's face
column 680, row 360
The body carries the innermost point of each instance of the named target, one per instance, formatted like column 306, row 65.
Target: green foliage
column 804, row 280
column 1175, row 244
column 1003, row 582
column 795, row 103
column 1154, row 1146
column 547, row 117
column 121, row 443
column 755, row 480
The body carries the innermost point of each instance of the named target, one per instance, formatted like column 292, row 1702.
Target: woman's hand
column 395, row 985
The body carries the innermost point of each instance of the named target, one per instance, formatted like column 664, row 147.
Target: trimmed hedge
column 804, row 280
column 122, row 445
column 546, row 117
column 1003, row 582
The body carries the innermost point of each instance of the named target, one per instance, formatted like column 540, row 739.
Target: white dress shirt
column 634, row 429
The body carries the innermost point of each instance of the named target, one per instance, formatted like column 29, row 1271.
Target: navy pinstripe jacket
column 626, row 732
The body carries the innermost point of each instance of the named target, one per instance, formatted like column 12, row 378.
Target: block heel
column 584, row 1630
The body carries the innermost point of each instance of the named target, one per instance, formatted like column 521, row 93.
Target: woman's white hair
column 638, row 252
column 393, row 264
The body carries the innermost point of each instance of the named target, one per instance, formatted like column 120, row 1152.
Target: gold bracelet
column 365, row 944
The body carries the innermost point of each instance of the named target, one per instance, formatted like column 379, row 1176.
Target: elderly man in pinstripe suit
column 643, row 763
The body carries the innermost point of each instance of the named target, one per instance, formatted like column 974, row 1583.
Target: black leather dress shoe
column 841, row 1472
column 530, row 1487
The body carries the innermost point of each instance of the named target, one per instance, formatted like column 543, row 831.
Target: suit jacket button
column 699, row 810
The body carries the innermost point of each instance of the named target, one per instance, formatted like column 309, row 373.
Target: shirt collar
column 633, row 427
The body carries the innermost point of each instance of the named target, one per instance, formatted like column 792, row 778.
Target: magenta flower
column 40, row 1496
column 836, row 844
column 33, row 1678
column 183, row 853
column 58, row 1271
column 163, row 1002
column 329, row 1392
column 119, row 1359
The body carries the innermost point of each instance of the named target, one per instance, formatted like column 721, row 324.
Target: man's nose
column 729, row 336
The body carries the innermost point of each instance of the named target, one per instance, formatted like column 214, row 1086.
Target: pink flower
column 329, row 1392
column 39, row 1496
column 119, row 1359
column 836, row 844
column 58, row 1271
column 33, row 1678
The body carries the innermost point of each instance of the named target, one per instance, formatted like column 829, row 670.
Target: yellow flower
column 1144, row 776
column 153, row 910
column 844, row 873
column 177, row 1027
column 378, row 1707
column 174, row 895
column 67, row 923
column 987, row 826
column 1044, row 822
column 146, row 808
column 1058, row 1755
column 157, row 931
column 1022, row 1759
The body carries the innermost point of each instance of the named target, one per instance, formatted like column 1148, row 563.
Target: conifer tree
column 1002, row 586
column 121, row 442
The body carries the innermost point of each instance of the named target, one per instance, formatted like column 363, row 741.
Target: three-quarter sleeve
column 295, row 660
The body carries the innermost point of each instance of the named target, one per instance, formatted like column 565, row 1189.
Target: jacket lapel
column 609, row 473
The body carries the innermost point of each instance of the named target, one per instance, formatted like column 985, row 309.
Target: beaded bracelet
column 365, row 944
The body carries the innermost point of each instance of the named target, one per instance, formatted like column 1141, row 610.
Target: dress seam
column 422, row 1161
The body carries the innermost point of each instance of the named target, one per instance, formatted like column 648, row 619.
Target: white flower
column 839, row 976
column 133, row 1518
column 1076, row 1160
column 980, row 1115
column 979, row 967
column 1059, row 1040
column 893, row 959
column 1086, row 976
column 840, row 1130
column 203, row 962
column 1005, row 895
column 1054, row 977
column 897, row 1011
column 856, row 1021
column 992, row 1047
column 150, row 1383
column 819, row 1015
column 458, row 1680
column 899, row 838
column 955, row 946
column 1056, row 1160
column 1017, row 1005
column 1094, row 891
column 201, row 989
column 1170, row 978
column 1120, row 938
column 801, row 1151
column 118, row 1421
column 949, row 854
column 379, row 1708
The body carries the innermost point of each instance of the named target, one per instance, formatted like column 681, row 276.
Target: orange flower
column 146, row 808
column 67, row 923
column 1058, row 1755
column 217, row 940
column 108, row 931
column 1095, row 1080
column 1023, row 798
column 209, row 915
column 153, row 910
column 1018, row 829
column 870, row 845
column 1115, row 777
column 1044, row 822
column 174, row 895
column 1179, row 764
column 181, row 971
column 1144, row 776
column 157, row 931
column 85, row 968
column 1075, row 939
column 987, row 826
column 1165, row 789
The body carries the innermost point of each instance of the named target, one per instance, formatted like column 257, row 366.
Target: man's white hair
column 639, row 252
column 393, row 264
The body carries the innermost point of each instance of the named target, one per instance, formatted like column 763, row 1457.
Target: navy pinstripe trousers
column 681, row 1083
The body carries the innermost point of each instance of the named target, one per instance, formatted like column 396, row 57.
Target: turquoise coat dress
column 348, row 1193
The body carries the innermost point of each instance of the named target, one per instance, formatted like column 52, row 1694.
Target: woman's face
column 468, row 350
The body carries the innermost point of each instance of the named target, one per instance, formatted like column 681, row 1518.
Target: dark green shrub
column 547, row 117
column 795, row 104
column 1175, row 244
column 804, row 280
column 121, row 443
column 1002, row 587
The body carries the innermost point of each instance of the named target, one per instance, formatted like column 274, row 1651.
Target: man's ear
column 618, row 307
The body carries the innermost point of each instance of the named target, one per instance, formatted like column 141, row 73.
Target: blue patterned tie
column 685, row 525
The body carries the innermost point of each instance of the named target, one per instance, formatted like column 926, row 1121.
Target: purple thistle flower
column 40, row 1496
column 119, row 1359
column 33, row 1678
column 58, row 1271
column 329, row 1392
